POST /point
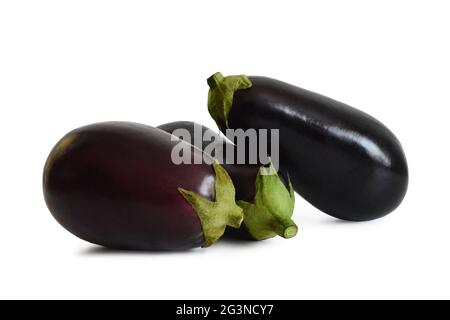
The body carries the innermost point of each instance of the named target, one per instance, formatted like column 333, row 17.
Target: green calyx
column 216, row 215
column 270, row 213
column 220, row 95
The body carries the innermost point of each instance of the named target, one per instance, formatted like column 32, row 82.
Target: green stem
column 271, row 211
column 220, row 95
column 216, row 215
column 215, row 80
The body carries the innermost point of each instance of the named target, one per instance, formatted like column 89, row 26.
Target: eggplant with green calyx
column 115, row 184
column 343, row 161
column 267, row 200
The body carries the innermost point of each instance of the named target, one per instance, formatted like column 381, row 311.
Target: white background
column 64, row 64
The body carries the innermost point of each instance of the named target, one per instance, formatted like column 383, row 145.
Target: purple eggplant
column 343, row 161
column 115, row 184
column 267, row 200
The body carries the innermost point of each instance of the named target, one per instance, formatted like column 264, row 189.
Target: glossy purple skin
column 340, row 159
column 115, row 185
column 242, row 175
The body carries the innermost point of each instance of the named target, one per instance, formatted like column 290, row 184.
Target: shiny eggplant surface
column 271, row 218
column 340, row 159
column 114, row 184
column 243, row 175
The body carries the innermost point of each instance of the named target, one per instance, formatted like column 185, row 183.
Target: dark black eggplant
column 115, row 184
column 268, row 201
column 343, row 161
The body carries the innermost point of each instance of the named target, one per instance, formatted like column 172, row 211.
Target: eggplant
column 266, row 199
column 340, row 159
column 114, row 184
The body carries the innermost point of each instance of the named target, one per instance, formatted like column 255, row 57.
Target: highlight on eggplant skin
column 243, row 175
column 114, row 184
column 343, row 161
column 267, row 222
